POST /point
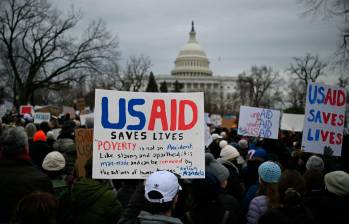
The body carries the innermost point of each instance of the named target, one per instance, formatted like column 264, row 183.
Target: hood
column 87, row 191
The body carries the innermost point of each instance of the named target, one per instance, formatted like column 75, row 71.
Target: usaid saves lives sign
column 136, row 134
column 324, row 118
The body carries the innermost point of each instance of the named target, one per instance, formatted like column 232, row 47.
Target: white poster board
column 259, row 122
column 324, row 118
column 84, row 117
column 41, row 117
column 136, row 134
column 216, row 120
column 292, row 122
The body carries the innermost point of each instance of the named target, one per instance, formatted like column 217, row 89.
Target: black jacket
column 17, row 179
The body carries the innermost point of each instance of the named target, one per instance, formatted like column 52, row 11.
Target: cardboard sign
column 292, row 122
column 25, row 109
column 136, row 134
column 324, row 118
column 259, row 122
column 41, row 117
column 83, row 144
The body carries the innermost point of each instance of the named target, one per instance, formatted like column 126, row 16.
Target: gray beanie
column 215, row 168
column 337, row 182
column 30, row 129
column 315, row 163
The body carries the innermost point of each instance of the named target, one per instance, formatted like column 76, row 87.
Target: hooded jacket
column 148, row 218
column 93, row 202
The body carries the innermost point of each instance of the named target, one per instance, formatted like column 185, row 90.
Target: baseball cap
column 164, row 182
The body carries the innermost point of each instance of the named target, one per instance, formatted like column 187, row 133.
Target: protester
column 93, row 201
column 18, row 175
column 38, row 208
column 50, row 138
column 53, row 165
column 212, row 166
column 228, row 158
column 214, row 148
column 291, row 210
column 161, row 192
column 207, row 206
column 39, row 148
column 128, row 187
column 315, row 163
column 267, row 194
column 65, row 144
column 30, row 129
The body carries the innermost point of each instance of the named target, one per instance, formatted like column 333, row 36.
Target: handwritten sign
column 292, row 122
column 83, row 144
column 259, row 122
column 53, row 110
column 324, row 118
column 25, row 109
column 136, row 134
column 216, row 120
column 41, row 117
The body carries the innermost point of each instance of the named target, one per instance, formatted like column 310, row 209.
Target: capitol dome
column 192, row 59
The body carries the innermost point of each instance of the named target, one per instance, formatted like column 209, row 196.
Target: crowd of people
column 247, row 181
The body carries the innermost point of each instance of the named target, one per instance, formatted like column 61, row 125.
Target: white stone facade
column 193, row 72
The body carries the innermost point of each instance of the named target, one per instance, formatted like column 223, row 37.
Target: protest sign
column 229, row 122
column 324, row 118
column 25, row 109
column 216, row 120
column 259, row 122
column 53, row 110
column 83, row 145
column 69, row 110
column 292, row 122
column 85, row 117
column 41, row 117
column 207, row 119
column 136, row 134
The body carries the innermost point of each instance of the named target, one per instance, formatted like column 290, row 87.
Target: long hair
column 271, row 191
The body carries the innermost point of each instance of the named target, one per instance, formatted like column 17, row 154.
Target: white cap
column 164, row 182
column 216, row 136
column 54, row 161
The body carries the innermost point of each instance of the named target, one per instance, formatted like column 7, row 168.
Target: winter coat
column 38, row 151
column 234, row 186
column 17, row 179
column 148, row 218
column 207, row 213
column 66, row 146
column 93, row 202
column 258, row 206
column 328, row 208
column 288, row 215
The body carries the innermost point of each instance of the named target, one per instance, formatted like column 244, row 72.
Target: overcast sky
column 235, row 34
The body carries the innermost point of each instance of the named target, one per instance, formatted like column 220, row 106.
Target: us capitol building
column 192, row 71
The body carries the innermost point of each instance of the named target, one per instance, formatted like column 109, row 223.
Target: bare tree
column 308, row 68
column 328, row 9
column 34, row 42
column 258, row 86
column 135, row 73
